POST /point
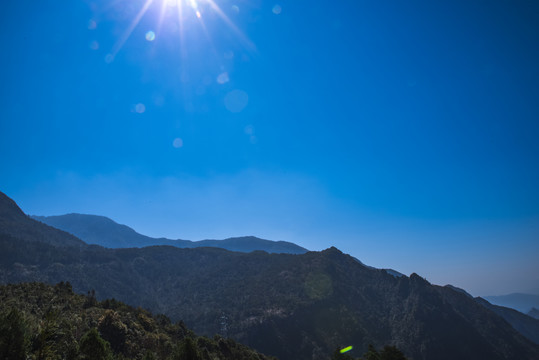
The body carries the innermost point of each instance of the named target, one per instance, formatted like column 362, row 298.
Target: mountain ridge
column 101, row 230
column 284, row 305
column 518, row 301
column 14, row 222
column 523, row 323
column 294, row 306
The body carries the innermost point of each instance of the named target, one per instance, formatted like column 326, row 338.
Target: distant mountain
column 525, row 324
column 518, row 301
column 295, row 307
column 103, row 231
column 534, row 313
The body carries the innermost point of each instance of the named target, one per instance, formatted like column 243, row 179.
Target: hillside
column 51, row 322
column 100, row 230
column 525, row 324
column 290, row 306
column 13, row 222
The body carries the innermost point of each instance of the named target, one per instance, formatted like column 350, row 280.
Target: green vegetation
column 39, row 321
column 93, row 347
column 14, row 336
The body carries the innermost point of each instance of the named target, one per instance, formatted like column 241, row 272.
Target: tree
column 93, row 347
column 55, row 339
column 91, row 300
column 187, row 350
column 113, row 330
column 14, row 337
column 48, row 338
column 371, row 354
column 391, row 353
column 149, row 356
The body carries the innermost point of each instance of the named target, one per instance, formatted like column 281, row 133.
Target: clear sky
column 404, row 133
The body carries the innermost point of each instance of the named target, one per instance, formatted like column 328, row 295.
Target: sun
column 193, row 4
column 185, row 10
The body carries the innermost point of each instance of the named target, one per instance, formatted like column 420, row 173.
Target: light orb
column 150, row 36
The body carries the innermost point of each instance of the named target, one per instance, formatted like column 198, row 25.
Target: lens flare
column 92, row 25
column 236, row 100
column 140, row 108
column 223, row 78
column 177, row 143
column 150, row 36
column 277, row 9
column 186, row 10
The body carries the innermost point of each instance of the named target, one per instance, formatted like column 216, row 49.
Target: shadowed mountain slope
column 290, row 306
column 103, row 231
column 525, row 324
column 13, row 222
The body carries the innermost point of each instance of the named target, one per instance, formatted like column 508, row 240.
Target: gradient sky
column 405, row 133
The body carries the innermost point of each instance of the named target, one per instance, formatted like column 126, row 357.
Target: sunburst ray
column 130, row 29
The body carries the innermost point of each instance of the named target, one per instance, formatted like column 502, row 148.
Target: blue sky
column 404, row 133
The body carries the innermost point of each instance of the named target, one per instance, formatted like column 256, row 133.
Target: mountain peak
column 86, row 218
column 332, row 250
column 419, row 280
column 9, row 210
column 15, row 223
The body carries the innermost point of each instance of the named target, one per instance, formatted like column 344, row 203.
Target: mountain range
column 100, row 230
column 293, row 306
column 518, row 301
